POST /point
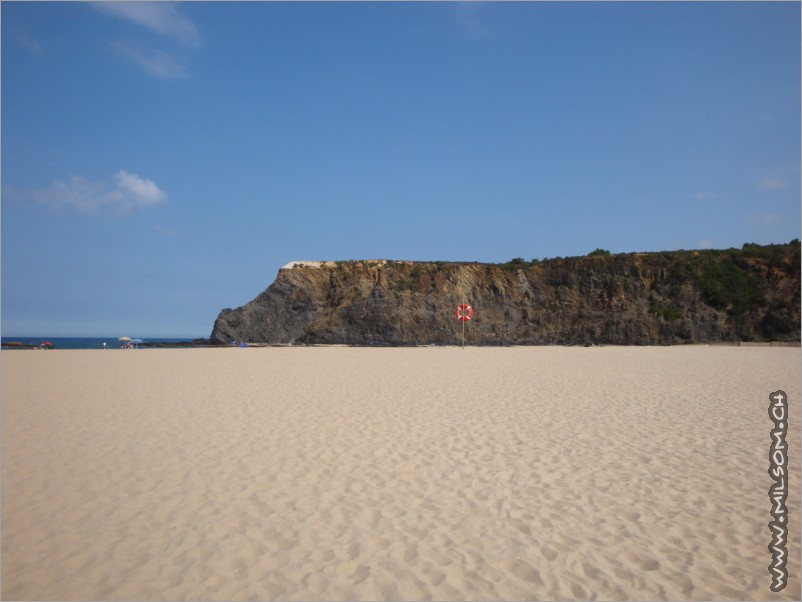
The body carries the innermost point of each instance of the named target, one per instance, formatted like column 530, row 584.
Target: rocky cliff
column 748, row 294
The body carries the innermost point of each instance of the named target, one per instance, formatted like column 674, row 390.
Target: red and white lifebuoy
column 464, row 312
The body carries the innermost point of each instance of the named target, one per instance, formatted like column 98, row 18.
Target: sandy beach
column 613, row 473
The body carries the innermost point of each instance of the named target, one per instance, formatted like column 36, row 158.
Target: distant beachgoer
column 104, row 344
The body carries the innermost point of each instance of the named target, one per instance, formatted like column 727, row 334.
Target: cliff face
column 635, row 299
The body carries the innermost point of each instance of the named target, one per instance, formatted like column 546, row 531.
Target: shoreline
column 13, row 345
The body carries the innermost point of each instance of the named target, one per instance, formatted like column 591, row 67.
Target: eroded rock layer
column 749, row 294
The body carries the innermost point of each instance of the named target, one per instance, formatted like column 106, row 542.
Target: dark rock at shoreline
column 664, row 298
column 192, row 343
column 18, row 345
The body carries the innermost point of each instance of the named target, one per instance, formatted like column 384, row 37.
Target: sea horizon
column 112, row 342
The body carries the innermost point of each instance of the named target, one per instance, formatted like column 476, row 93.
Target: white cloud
column 772, row 184
column 704, row 244
column 136, row 187
column 155, row 62
column 161, row 17
column 125, row 193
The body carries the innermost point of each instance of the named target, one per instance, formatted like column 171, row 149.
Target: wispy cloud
column 705, row 195
column 768, row 219
column 27, row 41
column 704, row 244
column 156, row 62
column 467, row 15
column 772, row 184
column 163, row 18
column 164, row 230
column 123, row 193
column 160, row 17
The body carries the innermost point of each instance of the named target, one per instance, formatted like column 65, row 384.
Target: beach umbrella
column 137, row 341
column 124, row 339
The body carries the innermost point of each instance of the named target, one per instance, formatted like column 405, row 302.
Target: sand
column 612, row 473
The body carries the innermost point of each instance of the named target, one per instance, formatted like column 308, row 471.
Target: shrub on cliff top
column 517, row 263
column 726, row 283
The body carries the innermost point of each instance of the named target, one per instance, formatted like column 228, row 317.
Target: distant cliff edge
column 664, row 298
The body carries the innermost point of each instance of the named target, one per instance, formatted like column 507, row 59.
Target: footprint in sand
column 270, row 590
column 686, row 584
column 346, row 569
column 545, row 523
column 322, row 555
column 523, row 570
column 642, row 561
column 562, row 547
column 623, row 574
column 411, row 554
column 362, row 573
column 353, row 550
column 590, row 571
column 436, row 578
column 316, row 583
column 578, row 592
column 440, row 559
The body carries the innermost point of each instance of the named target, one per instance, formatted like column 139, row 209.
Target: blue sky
column 161, row 161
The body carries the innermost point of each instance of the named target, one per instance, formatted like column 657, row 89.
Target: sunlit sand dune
column 375, row 474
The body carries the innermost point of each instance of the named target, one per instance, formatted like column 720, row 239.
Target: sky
column 162, row 161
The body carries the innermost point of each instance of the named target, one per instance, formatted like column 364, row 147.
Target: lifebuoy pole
column 464, row 313
column 463, row 328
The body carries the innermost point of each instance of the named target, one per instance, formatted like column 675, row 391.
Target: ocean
column 82, row 342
